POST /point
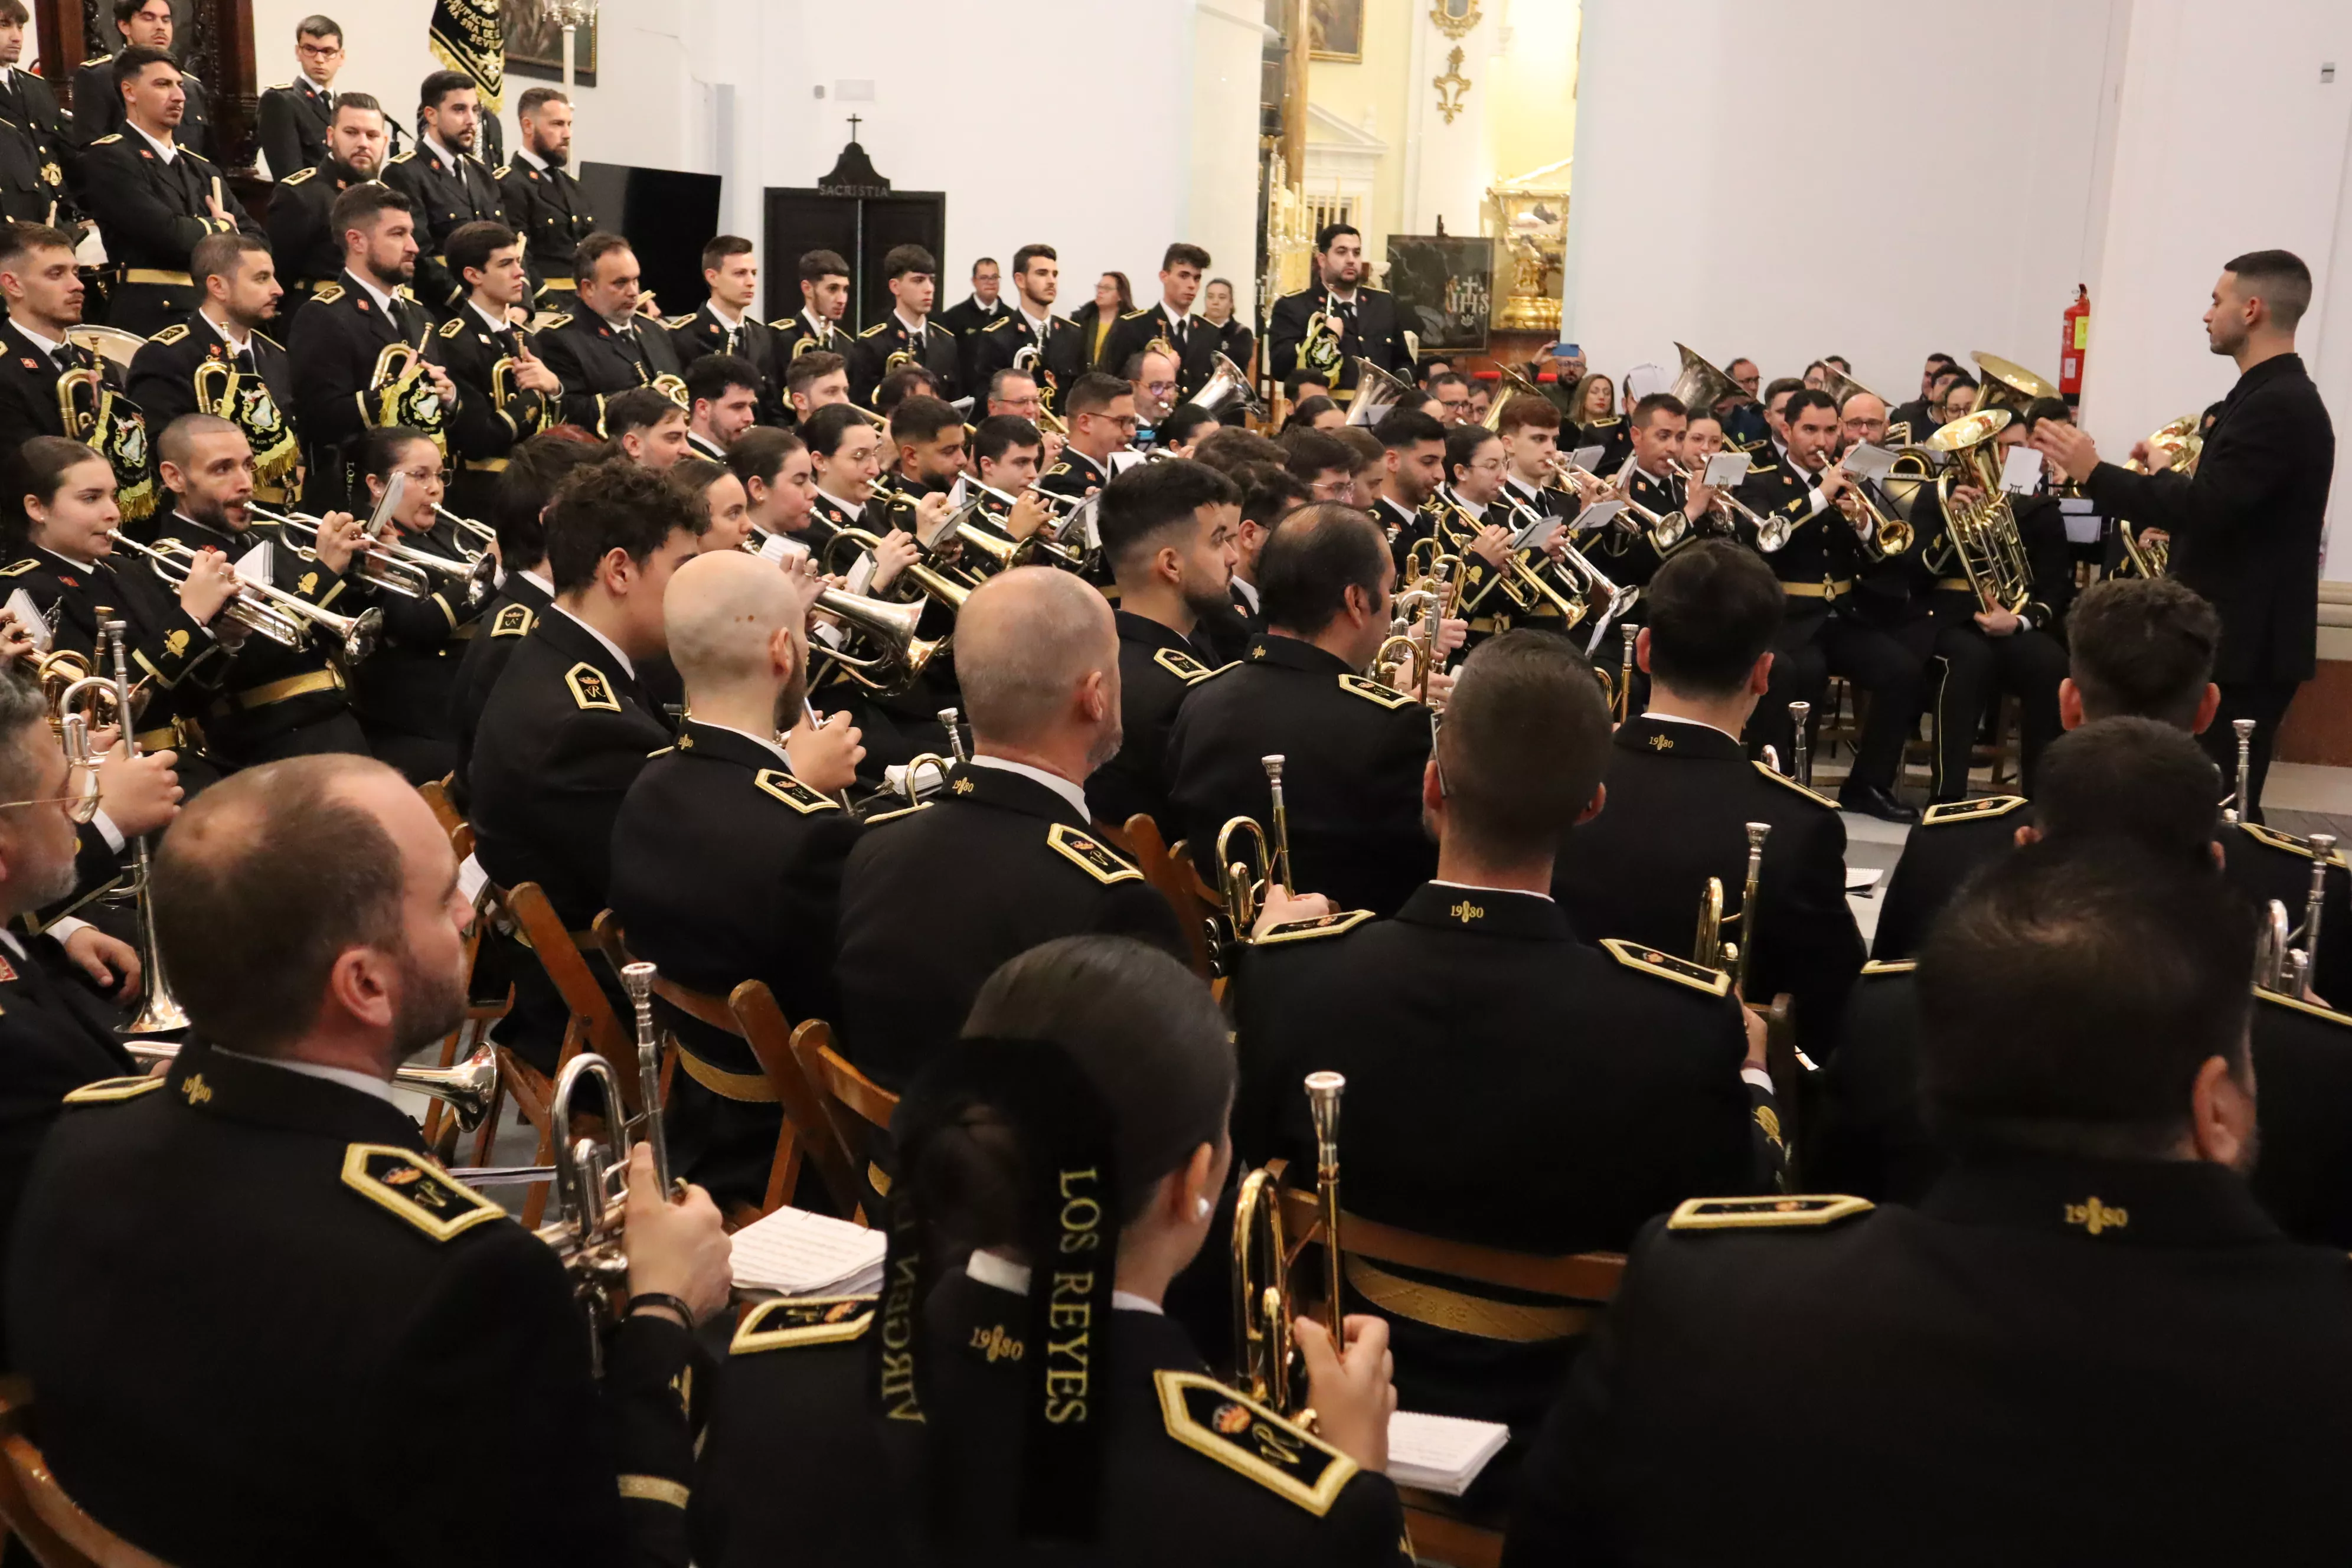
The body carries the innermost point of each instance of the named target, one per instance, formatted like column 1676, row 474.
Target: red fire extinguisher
column 2075, row 337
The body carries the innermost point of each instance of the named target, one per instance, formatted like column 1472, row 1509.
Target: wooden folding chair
column 445, row 811
column 1581, row 1283
column 807, row 1133
column 855, row 1108
column 35, row 1509
column 480, row 1014
column 1178, row 883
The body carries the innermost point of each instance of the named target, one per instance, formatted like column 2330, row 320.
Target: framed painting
column 1443, row 285
column 1335, row 30
column 535, row 42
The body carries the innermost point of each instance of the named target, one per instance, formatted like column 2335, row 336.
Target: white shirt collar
column 1038, row 325
column 1249, row 591
column 167, row 151
column 1476, row 511
column 914, row 329
column 1483, row 887
column 538, row 580
column 626, row 668
column 1055, row 782
column 366, row 1083
column 818, row 326
column 1678, row 719
column 496, row 324
column 439, row 151
column 46, row 345
column 1336, row 298
column 533, row 158
column 1175, row 318
column 824, row 494
column 768, row 741
column 720, row 310
column 991, row 1269
column 367, row 285
column 228, row 335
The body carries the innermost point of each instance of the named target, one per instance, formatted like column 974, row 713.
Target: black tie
column 245, row 361
column 1179, row 330
column 63, row 354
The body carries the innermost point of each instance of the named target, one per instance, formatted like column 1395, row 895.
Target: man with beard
column 1169, row 532
column 608, row 345
column 937, row 894
column 1060, row 355
column 316, row 932
column 1172, row 322
column 309, row 250
column 341, row 338
column 449, row 185
column 543, row 202
column 1364, row 319
column 728, row 851
column 239, row 279
column 97, row 100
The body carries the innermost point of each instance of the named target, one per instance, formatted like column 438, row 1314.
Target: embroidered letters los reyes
column 1069, row 1362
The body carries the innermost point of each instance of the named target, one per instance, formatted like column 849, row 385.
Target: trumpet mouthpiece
column 638, row 978
column 1273, row 766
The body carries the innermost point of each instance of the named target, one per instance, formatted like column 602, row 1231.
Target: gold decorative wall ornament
column 1455, row 18
column 1452, row 86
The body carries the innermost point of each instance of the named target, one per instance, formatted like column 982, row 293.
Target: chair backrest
column 759, row 1020
column 567, row 969
column 1589, row 1277
column 35, row 1509
column 855, row 1107
column 1176, row 882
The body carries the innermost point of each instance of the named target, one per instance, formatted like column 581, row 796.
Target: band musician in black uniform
column 906, row 335
column 1100, row 411
column 1172, row 320
column 1089, row 1054
column 272, row 700
column 445, row 182
column 342, row 338
column 2083, row 1015
column 817, row 329
column 567, row 727
column 1682, row 792
column 607, row 345
column 726, row 854
column 153, row 199
column 1006, row 856
column 309, row 250
column 1360, row 322
column 1816, row 569
column 35, row 146
column 2244, row 531
column 1355, row 748
column 444, row 1308
column 724, row 325
column 43, row 291
column 251, row 382
column 1630, row 550
column 97, row 100
column 1053, row 348
column 505, row 393
column 1641, row 1050
column 295, row 114
column 544, row 203
column 1169, row 532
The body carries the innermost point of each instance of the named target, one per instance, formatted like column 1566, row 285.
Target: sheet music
column 803, row 1254
column 1870, row 462
column 1585, row 457
column 36, row 624
column 471, row 878
column 2020, row 471
column 1439, row 1453
column 254, row 565
column 784, row 551
column 1726, row 469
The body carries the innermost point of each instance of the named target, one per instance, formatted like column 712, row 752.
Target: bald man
column 938, row 894
column 727, row 853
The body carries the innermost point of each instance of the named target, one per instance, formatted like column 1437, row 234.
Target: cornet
column 267, row 610
column 1263, row 1258
column 1709, row 947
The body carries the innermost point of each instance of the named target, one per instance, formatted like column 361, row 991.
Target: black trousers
column 1811, row 647
column 1973, row 671
column 337, row 732
column 2263, row 701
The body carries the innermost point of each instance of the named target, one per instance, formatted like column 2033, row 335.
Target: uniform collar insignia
column 1488, row 911
column 2105, row 1202
column 215, row 1082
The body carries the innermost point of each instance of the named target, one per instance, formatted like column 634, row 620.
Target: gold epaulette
column 1090, row 855
column 265, row 338
column 659, row 752
column 1890, row 966
column 1135, row 315
column 675, row 323
column 108, row 140
column 1181, row 665
column 877, row 327
column 453, row 326
column 415, row 1189
column 879, row 818
column 2272, row 838
column 2298, row 1004
column 1337, row 923
column 400, row 158
column 995, row 325
column 793, row 792
column 279, row 87
column 1667, row 966
column 171, row 334
column 1785, row 782
column 1251, row 1440
column 298, row 175
column 795, row 1323
column 18, row 568
column 590, row 689
column 1374, row 691
column 1795, row 1213
column 1971, row 810
column 513, row 621
column 330, row 294
column 98, row 60
column 503, row 170
column 110, row 1090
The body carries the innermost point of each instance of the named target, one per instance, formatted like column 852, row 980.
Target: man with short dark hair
column 647, row 428
column 722, row 396
column 723, row 323
column 825, row 300
column 449, row 186
column 1682, row 792
column 2245, row 530
column 153, row 198
column 1644, row 1053
column 1269, row 493
column 1052, row 347
column 36, row 145
column 315, row 930
column 906, row 335
column 1917, row 414
column 1169, row 537
column 97, row 91
column 506, row 392
column 1100, row 411
column 1172, row 321
column 985, row 308
column 814, row 380
column 309, row 251
column 543, row 201
column 1322, row 462
column 1359, row 321
column 41, row 287
column 1451, row 390
column 2084, row 1018
column 608, row 344
column 1355, row 747
column 1414, row 445
column 239, row 279
column 295, row 114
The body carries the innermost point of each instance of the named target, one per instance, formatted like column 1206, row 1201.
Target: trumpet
column 379, row 570
column 465, row 1087
column 2280, row 964
column 1588, row 587
column 1666, row 534
column 1801, row 743
column 846, row 544
column 1245, row 884
column 483, row 533
column 1879, row 534
column 900, row 657
column 267, row 610
column 1709, row 947
column 400, row 568
column 1264, row 1258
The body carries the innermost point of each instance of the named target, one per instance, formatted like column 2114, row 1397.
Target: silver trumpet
column 1800, row 743
column 266, row 609
column 466, row 1088
column 377, row 564
column 2285, row 957
column 2236, row 807
column 467, row 527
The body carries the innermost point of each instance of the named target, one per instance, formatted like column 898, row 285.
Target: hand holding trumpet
column 339, row 541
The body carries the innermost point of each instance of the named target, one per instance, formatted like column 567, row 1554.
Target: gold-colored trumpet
column 1266, row 1358
column 898, row 656
column 266, row 609
column 1709, row 947
column 2179, row 446
column 1879, row 533
column 847, row 543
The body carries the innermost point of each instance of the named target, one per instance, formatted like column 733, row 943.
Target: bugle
column 1323, row 1091
column 267, row 610
column 1267, row 1366
column 1879, row 534
column 465, row 1087
column 842, row 549
column 1801, row 743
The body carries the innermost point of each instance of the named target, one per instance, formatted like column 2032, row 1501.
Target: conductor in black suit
column 2245, row 529
column 1366, row 316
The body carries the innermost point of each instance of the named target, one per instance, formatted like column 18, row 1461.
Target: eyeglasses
column 319, row 51
column 80, row 803
column 422, row 476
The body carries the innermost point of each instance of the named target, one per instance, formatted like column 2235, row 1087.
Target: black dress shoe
column 1872, row 801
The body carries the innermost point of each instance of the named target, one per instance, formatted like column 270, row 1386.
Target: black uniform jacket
column 1371, row 332
column 449, row 193
column 28, row 401
column 1194, row 1472
column 338, row 340
column 995, row 346
column 330, row 1281
column 406, row 684
column 1353, row 751
column 152, row 213
column 164, row 372
column 792, row 336
column 494, row 416
column 2246, row 527
column 33, row 152
column 1135, row 331
column 937, row 894
column 1156, row 669
column 564, row 735
column 548, row 209
column 512, row 613
column 98, row 107
column 594, row 361
column 295, row 116
column 1584, row 1090
column 174, row 657
column 2033, row 1319
column 966, row 321
column 752, row 341
column 1953, row 840
column 938, row 352
column 267, row 689
column 1816, row 566
column 307, row 251
column 1680, row 796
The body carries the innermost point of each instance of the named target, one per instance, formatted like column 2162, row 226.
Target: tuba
column 1709, row 947
column 227, row 392
column 2007, row 386
column 1839, row 385
column 1700, row 385
column 1509, row 384
column 1377, row 392
column 399, row 393
column 1228, row 383
column 1983, row 534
